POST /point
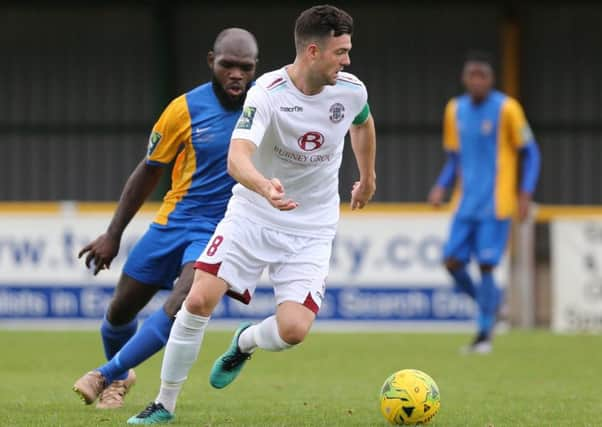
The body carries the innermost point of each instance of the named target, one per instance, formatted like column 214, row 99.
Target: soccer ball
column 409, row 397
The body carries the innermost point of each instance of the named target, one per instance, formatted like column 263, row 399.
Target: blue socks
column 489, row 299
column 487, row 296
column 151, row 338
column 114, row 337
column 464, row 282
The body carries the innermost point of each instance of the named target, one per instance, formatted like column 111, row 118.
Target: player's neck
column 478, row 100
column 302, row 80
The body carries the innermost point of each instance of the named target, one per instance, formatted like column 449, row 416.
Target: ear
column 210, row 59
column 313, row 50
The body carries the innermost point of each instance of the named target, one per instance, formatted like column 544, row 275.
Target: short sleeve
column 364, row 108
column 519, row 129
column 451, row 140
column 362, row 116
column 255, row 118
column 169, row 133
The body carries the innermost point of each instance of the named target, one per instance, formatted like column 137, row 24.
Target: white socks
column 263, row 335
column 181, row 352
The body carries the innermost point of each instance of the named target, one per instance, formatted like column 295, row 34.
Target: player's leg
column 287, row 328
column 153, row 262
column 154, row 332
column 129, row 298
column 187, row 332
column 183, row 346
column 492, row 237
column 118, row 326
column 255, row 248
column 298, row 280
column 148, row 340
column 456, row 254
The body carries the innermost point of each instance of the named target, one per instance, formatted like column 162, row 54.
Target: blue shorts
column 484, row 239
column 158, row 256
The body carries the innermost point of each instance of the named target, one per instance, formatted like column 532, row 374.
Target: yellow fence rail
column 543, row 213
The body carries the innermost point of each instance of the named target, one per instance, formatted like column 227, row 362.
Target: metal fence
column 81, row 86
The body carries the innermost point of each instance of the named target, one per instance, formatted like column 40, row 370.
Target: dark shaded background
column 81, row 85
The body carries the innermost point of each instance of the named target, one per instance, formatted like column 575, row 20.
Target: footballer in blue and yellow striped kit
column 488, row 142
column 193, row 133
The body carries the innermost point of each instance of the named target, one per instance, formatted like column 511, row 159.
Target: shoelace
column 99, row 381
column 115, row 391
column 150, row 409
column 231, row 362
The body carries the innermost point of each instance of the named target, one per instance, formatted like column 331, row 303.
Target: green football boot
column 154, row 413
column 227, row 367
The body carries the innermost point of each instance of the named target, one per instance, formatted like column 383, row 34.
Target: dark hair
column 479, row 56
column 319, row 22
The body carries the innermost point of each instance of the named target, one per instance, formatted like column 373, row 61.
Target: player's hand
column 362, row 193
column 276, row 196
column 524, row 203
column 101, row 252
column 436, row 196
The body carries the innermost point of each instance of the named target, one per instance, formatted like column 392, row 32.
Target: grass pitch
column 531, row 379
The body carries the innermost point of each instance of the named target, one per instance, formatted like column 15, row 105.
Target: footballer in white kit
column 300, row 141
column 285, row 155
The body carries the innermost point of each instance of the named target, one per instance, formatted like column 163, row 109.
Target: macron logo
column 295, row 109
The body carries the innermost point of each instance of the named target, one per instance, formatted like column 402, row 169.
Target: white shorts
column 240, row 249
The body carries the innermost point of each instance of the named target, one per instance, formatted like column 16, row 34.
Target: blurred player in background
column 486, row 136
column 194, row 130
column 285, row 154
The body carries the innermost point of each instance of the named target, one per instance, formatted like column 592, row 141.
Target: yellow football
column 409, row 397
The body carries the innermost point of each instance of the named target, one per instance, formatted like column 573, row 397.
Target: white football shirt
column 300, row 141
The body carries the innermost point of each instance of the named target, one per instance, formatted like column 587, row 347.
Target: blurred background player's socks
column 114, row 337
column 151, row 338
column 488, row 299
column 464, row 282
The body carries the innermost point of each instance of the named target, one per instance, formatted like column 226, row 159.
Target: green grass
column 531, row 379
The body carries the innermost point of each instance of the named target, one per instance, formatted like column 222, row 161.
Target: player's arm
column 530, row 165
column 523, row 139
column 246, row 137
column 138, row 187
column 363, row 143
column 446, row 179
column 242, row 169
column 164, row 142
column 451, row 144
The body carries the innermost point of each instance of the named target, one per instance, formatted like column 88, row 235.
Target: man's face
column 233, row 72
column 332, row 55
column 478, row 79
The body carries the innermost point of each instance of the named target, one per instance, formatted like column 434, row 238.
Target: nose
column 236, row 73
column 346, row 60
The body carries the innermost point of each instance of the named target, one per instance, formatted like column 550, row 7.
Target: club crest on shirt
column 246, row 118
column 153, row 140
column 337, row 112
column 486, row 127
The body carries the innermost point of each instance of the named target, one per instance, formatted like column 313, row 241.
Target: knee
column 486, row 268
column 452, row 264
column 118, row 313
column 174, row 303
column 198, row 304
column 206, row 292
column 293, row 332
